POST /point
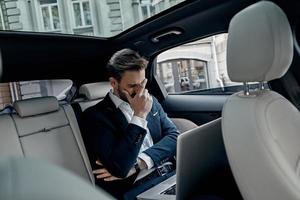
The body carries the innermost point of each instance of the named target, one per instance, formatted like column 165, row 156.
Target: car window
column 10, row 92
column 196, row 66
column 102, row 18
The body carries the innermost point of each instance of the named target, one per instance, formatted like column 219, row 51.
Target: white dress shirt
column 131, row 118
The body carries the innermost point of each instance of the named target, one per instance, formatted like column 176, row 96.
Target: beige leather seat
column 183, row 125
column 93, row 93
column 30, row 179
column 45, row 130
column 261, row 128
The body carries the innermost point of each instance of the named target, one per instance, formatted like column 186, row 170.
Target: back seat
column 41, row 128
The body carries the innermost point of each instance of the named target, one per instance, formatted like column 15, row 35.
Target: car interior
column 248, row 83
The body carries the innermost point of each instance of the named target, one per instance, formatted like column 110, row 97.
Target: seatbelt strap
column 71, row 94
column 291, row 86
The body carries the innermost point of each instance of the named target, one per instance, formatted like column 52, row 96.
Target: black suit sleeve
column 116, row 149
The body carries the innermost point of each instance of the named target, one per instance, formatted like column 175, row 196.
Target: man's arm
column 117, row 151
column 119, row 154
column 166, row 147
column 103, row 173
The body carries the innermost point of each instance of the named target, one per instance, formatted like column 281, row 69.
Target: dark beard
column 122, row 95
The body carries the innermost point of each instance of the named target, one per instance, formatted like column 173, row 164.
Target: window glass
column 50, row 15
column 195, row 66
column 48, row 1
column 102, row 18
column 82, row 13
column 87, row 13
column 46, row 18
column 55, row 16
column 10, row 92
column 77, row 14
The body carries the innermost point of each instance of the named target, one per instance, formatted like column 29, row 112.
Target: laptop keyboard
column 170, row 190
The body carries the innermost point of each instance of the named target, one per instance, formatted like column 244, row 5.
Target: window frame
column 147, row 5
column 82, row 16
column 49, row 8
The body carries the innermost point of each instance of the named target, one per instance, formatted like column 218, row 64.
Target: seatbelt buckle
column 162, row 170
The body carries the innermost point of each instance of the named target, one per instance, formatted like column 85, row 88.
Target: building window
column 50, row 15
column 81, row 13
column 2, row 26
column 10, row 92
column 196, row 66
column 147, row 8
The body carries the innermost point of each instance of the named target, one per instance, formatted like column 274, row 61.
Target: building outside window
column 2, row 26
column 191, row 73
column 50, row 15
column 199, row 65
column 147, row 8
column 81, row 13
column 104, row 18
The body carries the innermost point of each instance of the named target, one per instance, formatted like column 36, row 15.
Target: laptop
column 197, row 150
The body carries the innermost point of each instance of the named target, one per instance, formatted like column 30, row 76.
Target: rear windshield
column 10, row 92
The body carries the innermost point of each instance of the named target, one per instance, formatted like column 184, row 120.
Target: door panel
column 198, row 108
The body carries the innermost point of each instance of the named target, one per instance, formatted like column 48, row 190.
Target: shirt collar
column 116, row 100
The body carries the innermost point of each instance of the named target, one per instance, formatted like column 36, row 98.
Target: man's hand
column 102, row 173
column 141, row 103
column 142, row 164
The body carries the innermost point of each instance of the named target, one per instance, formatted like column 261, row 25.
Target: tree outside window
column 50, row 15
column 82, row 13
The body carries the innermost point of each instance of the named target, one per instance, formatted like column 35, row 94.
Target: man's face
column 131, row 81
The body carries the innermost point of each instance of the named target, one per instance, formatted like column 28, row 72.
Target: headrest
column 260, row 44
column 94, row 91
column 36, row 106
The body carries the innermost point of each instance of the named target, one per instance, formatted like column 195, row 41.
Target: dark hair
column 124, row 60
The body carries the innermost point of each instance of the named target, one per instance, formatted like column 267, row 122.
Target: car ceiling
column 31, row 56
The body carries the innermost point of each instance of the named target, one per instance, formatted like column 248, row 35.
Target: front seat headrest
column 260, row 44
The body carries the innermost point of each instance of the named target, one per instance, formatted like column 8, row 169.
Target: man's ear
column 113, row 82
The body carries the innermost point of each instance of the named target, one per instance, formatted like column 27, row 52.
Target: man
column 132, row 142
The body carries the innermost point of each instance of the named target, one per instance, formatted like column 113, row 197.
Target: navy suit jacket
column 116, row 143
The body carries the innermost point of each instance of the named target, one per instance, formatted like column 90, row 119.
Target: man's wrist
column 147, row 160
column 141, row 115
column 139, row 122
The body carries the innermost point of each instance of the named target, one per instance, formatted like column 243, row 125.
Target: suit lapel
column 120, row 120
column 153, row 124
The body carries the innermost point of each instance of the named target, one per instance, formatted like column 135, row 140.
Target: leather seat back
column 43, row 129
column 260, row 127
